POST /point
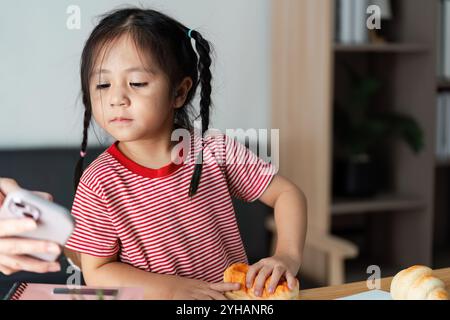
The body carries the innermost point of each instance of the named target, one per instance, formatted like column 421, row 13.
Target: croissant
column 237, row 273
column 417, row 283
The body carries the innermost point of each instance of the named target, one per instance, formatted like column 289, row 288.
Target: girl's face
column 131, row 97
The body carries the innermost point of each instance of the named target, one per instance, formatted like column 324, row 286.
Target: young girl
column 144, row 218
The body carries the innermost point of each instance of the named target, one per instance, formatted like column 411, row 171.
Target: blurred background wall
column 39, row 82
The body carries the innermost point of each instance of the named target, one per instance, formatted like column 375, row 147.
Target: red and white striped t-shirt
column 147, row 217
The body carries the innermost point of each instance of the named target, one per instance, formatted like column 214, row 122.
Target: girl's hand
column 276, row 266
column 190, row 289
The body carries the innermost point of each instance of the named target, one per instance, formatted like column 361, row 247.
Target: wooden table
column 334, row 292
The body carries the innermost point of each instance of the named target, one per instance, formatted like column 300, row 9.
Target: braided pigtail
column 204, row 63
column 79, row 167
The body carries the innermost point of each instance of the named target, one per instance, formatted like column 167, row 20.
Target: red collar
column 141, row 170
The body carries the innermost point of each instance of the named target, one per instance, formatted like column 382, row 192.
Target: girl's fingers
column 224, row 286
column 261, row 280
column 202, row 296
column 12, row 227
column 277, row 273
column 291, row 280
column 251, row 274
column 17, row 262
column 18, row 246
column 216, row 295
column 216, row 289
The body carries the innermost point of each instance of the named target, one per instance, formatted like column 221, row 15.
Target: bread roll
column 417, row 283
column 237, row 273
column 438, row 294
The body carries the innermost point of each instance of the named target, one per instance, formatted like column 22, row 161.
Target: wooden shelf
column 406, row 67
column 378, row 204
column 382, row 48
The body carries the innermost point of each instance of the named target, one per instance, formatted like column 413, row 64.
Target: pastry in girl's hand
column 237, row 272
column 417, row 283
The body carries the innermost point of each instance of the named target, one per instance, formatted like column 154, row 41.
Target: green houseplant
column 360, row 130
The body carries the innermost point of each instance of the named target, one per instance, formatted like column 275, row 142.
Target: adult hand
column 14, row 250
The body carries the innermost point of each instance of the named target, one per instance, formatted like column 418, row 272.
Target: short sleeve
column 94, row 233
column 247, row 175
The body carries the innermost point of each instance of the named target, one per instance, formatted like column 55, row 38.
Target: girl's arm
column 289, row 205
column 109, row 272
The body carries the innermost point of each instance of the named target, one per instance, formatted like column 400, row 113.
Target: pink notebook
column 37, row 291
